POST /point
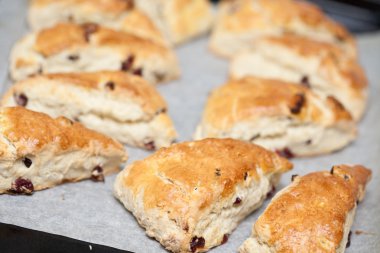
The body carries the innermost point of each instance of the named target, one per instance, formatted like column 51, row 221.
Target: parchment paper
column 88, row 211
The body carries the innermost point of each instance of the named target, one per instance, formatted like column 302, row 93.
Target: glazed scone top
column 65, row 36
column 268, row 13
column 115, row 7
column 187, row 178
column 117, row 84
column 253, row 98
column 333, row 58
column 240, row 16
column 119, row 14
column 310, row 214
column 29, row 132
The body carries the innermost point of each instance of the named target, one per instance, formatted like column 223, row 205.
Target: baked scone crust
column 116, row 14
column 118, row 98
column 323, row 66
column 51, row 145
column 240, row 22
column 277, row 115
column 315, row 213
column 165, row 21
column 179, row 20
column 68, row 47
column 205, row 189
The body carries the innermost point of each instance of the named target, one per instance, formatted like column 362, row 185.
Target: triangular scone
column 326, row 68
column 120, row 105
column 179, row 20
column 192, row 195
column 240, row 22
column 285, row 117
column 68, row 47
column 116, row 14
column 38, row 152
column 313, row 214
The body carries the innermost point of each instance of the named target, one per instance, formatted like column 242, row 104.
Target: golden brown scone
column 38, row 152
column 116, row 14
column 326, row 68
column 117, row 104
column 68, row 47
column 173, row 21
column 179, row 20
column 281, row 116
column 192, row 195
column 240, row 22
column 313, row 214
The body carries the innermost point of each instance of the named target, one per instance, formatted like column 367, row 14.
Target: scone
column 38, row 152
column 324, row 67
column 240, row 22
column 117, row 104
column 69, row 47
column 192, row 195
column 280, row 116
column 179, row 20
column 173, row 21
column 313, row 214
column 116, row 14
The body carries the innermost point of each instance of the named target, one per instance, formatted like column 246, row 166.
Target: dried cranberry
column 97, row 174
column 237, row 201
column 272, row 192
column 159, row 77
column 21, row 99
column 110, row 85
column 162, row 110
column 27, row 162
column 89, row 29
column 138, row 72
column 225, row 238
column 293, row 177
column 299, row 103
column 349, row 240
column 286, row 152
column 196, row 243
column 128, row 63
column 305, row 81
column 22, row 186
column 130, row 4
column 73, row 57
column 150, row 145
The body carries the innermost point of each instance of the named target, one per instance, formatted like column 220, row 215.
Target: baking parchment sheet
column 88, row 211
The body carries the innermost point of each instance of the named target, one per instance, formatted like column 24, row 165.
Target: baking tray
column 88, row 211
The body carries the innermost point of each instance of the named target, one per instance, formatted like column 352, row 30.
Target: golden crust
column 30, row 132
column 115, row 7
column 312, row 211
column 333, row 58
column 252, row 98
column 123, row 85
column 181, row 19
column 68, row 35
column 185, row 174
column 244, row 16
